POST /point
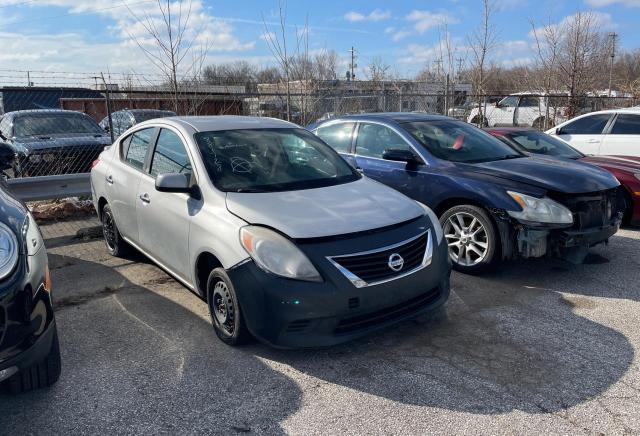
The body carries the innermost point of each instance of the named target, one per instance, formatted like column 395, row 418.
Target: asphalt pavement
column 538, row 347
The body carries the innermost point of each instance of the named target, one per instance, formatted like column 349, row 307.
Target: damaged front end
column 596, row 217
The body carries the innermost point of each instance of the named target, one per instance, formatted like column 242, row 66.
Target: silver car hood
column 335, row 210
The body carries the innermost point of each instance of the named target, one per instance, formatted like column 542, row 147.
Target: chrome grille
column 373, row 267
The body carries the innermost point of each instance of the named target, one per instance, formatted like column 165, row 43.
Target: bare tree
column 277, row 43
column 547, row 40
column 168, row 42
column 582, row 50
column 481, row 43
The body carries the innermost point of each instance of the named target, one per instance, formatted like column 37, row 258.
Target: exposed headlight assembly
column 274, row 253
column 8, row 251
column 540, row 210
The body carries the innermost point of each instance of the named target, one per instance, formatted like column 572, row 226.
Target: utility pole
column 613, row 36
column 108, row 99
column 460, row 61
column 353, row 64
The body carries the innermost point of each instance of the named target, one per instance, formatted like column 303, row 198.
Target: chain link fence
column 49, row 142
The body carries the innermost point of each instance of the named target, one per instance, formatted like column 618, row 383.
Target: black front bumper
column 27, row 324
column 292, row 314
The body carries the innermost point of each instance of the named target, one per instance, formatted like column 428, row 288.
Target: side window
column 511, row 101
column 124, row 146
column 170, row 155
column 338, row 136
column 138, row 146
column 590, row 125
column 626, row 124
column 529, row 101
column 373, row 139
column 5, row 127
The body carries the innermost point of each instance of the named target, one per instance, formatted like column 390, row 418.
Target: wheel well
column 628, row 212
column 204, row 265
column 101, row 204
column 451, row 202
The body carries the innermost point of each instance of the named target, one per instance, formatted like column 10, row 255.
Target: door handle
column 593, row 141
column 145, row 198
column 109, row 179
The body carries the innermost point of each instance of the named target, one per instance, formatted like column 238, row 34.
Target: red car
column 625, row 168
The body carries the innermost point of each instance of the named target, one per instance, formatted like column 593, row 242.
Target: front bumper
column 27, row 324
column 566, row 243
column 292, row 314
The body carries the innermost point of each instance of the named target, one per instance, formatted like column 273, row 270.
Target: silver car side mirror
column 173, row 182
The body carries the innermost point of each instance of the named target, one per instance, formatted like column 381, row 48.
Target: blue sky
column 90, row 36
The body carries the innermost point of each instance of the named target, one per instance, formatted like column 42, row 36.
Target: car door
column 504, row 113
column 164, row 217
column 528, row 111
column 123, row 177
column 339, row 135
column 623, row 137
column 585, row 133
column 371, row 141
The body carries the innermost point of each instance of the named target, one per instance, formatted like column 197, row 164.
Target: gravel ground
column 539, row 347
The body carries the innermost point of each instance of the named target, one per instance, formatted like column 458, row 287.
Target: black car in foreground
column 493, row 202
column 51, row 141
column 29, row 350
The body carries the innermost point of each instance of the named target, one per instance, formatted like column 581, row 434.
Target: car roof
column 398, row 117
column 223, row 122
column 42, row 111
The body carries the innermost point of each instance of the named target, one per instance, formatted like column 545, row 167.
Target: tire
column 480, row 122
column 226, row 315
column 116, row 246
column 477, row 242
column 41, row 374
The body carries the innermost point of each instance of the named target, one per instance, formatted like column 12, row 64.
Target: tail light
column 95, row 163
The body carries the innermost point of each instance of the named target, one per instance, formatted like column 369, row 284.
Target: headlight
column 434, row 221
column 8, row 251
column 31, row 235
column 541, row 210
column 276, row 254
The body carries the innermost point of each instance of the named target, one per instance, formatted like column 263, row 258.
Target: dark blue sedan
column 493, row 202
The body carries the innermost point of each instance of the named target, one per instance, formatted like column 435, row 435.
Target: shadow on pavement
column 135, row 361
column 502, row 345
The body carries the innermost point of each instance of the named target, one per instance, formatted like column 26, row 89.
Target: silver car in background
column 283, row 239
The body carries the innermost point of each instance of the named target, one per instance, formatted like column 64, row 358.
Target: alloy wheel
column 467, row 239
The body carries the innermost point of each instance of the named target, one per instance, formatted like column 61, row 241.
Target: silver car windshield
column 267, row 160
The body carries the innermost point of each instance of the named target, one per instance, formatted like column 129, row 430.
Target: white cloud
column 400, row 35
column 419, row 54
column 425, row 20
column 374, row 16
column 602, row 20
column 74, row 51
column 604, row 3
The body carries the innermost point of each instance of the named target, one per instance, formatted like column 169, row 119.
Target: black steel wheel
column 226, row 315
column 116, row 246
